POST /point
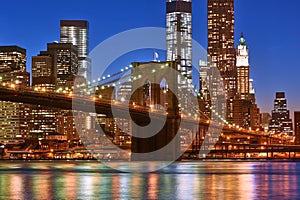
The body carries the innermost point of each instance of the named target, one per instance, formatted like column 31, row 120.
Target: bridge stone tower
column 149, row 93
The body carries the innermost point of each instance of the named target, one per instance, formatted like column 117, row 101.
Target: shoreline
column 126, row 161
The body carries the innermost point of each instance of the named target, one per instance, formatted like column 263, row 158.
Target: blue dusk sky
column 271, row 28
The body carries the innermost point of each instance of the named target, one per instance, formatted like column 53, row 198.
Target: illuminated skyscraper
column 54, row 69
column 280, row 122
column 65, row 62
column 13, row 116
column 221, row 41
column 76, row 32
column 243, row 70
column 179, row 35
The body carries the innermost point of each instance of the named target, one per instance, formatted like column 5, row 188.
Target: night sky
column 271, row 29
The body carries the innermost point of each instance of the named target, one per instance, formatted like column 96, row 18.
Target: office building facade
column 53, row 70
column 43, row 72
column 280, row 122
column 58, row 65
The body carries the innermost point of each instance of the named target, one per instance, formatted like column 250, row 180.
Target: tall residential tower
column 221, row 42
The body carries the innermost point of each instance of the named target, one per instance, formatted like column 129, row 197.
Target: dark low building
column 297, row 126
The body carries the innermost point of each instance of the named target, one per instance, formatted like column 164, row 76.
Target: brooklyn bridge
column 193, row 135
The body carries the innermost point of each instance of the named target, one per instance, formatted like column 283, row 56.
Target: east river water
column 181, row 180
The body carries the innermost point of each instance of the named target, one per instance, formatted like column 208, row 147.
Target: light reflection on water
column 187, row 180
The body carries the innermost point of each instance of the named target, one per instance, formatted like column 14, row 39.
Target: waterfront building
column 13, row 116
column 42, row 121
column 281, row 122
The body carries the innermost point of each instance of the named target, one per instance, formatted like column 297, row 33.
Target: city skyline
column 170, row 93
column 263, row 46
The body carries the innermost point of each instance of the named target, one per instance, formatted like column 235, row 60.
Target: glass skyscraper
column 179, row 35
column 76, row 32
